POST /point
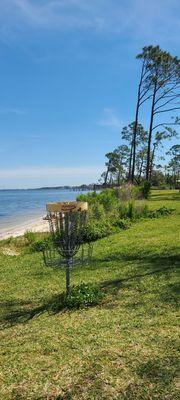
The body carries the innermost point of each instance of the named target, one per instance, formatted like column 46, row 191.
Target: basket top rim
column 67, row 206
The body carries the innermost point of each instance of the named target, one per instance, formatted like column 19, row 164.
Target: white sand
column 36, row 225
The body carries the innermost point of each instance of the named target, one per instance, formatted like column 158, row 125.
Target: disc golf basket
column 67, row 221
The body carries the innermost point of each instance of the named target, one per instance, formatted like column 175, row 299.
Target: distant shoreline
column 71, row 188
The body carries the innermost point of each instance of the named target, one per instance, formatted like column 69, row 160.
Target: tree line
column 158, row 92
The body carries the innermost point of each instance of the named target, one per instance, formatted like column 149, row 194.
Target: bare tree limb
column 168, row 101
column 166, row 124
column 148, row 97
column 170, row 109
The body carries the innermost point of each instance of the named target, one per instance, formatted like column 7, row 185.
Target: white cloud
column 56, row 14
column 134, row 18
column 110, row 118
column 46, row 172
column 45, row 176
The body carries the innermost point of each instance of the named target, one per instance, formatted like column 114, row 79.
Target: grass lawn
column 126, row 348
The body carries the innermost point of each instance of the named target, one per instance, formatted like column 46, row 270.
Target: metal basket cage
column 53, row 258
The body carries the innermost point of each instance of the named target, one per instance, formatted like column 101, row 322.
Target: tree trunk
column 106, row 177
column 150, row 135
column 140, row 170
column 152, row 162
column 119, row 177
column 130, row 162
column 139, row 98
column 134, row 138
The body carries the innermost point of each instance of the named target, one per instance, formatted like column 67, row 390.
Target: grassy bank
column 125, row 348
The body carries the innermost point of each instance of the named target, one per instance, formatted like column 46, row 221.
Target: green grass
column 126, row 348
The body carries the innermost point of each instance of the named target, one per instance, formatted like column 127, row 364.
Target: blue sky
column 68, row 79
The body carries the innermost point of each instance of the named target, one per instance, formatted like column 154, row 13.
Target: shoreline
column 35, row 225
column 23, row 210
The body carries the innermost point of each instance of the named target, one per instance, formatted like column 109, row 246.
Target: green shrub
column 89, row 197
column 161, row 212
column 123, row 209
column 124, row 193
column 129, row 192
column 128, row 210
column 145, row 211
column 30, row 236
column 40, row 245
column 131, row 214
column 106, row 197
column 137, row 193
column 95, row 230
column 96, row 211
column 84, row 295
column 146, row 189
column 121, row 223
column 141, row 211
column 106, row 211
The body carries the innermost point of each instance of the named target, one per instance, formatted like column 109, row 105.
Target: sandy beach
column 36, row 225
column 24, row 210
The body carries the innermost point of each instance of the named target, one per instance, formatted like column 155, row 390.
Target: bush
column 121, row 223
column 89, row 197
column 123, row 209
column 131, row 214
column 138, row 193
column 30, row 236
column 84, row 295
column 130, row 211
column 146, row 190
column 40, row 245
column 145, row 211
column 107, row 212
column 95, row 230
column 129, row 192
column 161, row 212
column 97, row 211
column 106, row 197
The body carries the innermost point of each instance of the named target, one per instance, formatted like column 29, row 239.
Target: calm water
column 19, row 206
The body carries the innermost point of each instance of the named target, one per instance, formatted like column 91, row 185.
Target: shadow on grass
column 159, row 369
column 147, row 265
column 14, row 312
column 117, row 283
column 157, row 381
column 18, row 312
column 148, row 259
column 143, row 263
column 170, row 197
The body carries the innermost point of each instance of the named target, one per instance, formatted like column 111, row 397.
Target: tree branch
column 146, row 91
column 148, row 97
column 166, row 124
column 168, row 101
column 170, row 109
column 165, row 92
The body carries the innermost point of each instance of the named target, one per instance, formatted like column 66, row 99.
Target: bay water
column 20, row 206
